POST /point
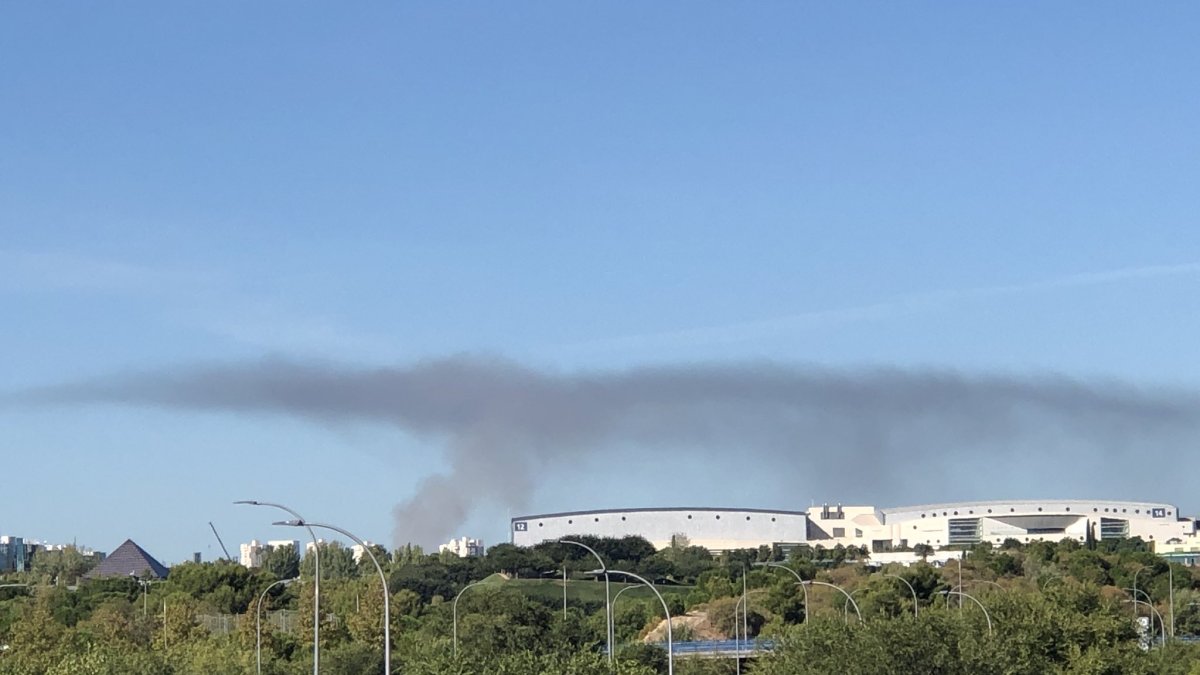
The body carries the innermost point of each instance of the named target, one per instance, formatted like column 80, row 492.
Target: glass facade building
column 13, row 555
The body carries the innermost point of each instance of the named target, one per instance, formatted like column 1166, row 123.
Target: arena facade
column 879, row 530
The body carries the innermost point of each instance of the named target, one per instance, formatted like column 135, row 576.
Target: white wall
column 714, row 529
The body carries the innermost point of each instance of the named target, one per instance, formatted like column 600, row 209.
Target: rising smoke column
column 500, row 423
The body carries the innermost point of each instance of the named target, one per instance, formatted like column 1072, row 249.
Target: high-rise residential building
column 463, row 547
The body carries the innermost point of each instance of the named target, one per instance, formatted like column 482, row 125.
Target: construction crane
column 214, row 529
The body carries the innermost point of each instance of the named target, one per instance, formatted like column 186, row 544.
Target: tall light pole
column 387, row 611
column 258, row 623
column 454, row 610
column 846, row 605
column 962, row 595
column 666, row 610
column 1147, row 602
column 608, row 615
column 316, row 577
column 1171, row 596
column 799, row 582
column 906, row 583
column 1135, row 588
column 959, row 561
column 849, row 598
column 737, row 640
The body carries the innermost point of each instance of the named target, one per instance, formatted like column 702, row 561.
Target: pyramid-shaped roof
column 129, row 560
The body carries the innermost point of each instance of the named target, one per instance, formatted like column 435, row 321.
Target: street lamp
column 1135, row 588
column 455, row 614
column 666, row 610
column 906, row 583
column 849, row 598
column 846, row 605
column 799, row 581
column 258, row 622
column 608, row 615
column 962, row 595
column 316, row 577
column 145, row 584
column 1147, row 602
column 387, row 612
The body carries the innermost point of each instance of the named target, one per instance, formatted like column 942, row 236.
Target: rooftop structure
column 129, row 560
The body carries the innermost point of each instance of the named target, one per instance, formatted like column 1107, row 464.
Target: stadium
column 878, row 530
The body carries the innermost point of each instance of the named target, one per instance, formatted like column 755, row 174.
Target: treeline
column 1053, row 608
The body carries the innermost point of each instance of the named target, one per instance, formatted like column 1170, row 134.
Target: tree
column 282, row 562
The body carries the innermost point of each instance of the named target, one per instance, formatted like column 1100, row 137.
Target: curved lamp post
column 387, row 611
column 799, row 581
column 455, row 613
column 846, row 605
column 629, row 587
column 1135, row 588
column 258, row 622
column 316, row 577
column 608, row 615
column 670, row 636
column 962, row 595
column 906, row 583
column 849, row 598
column 1147, row 602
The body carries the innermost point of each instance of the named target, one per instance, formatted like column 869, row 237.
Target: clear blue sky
column 1010, row 188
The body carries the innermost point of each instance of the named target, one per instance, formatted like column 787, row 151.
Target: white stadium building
column 879, row 530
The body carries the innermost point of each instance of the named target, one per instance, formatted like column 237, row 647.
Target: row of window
column 597, row 519
column 1013, row 510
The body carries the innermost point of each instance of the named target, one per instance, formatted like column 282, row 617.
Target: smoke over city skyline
column 498, row 424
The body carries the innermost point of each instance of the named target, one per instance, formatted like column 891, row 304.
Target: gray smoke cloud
column 500, row 424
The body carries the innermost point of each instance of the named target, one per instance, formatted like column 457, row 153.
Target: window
column 570, row 522
column 839, row 532
column 747, row 517
column 718, row 516
column 622, row 517
column 539, row 524
column 596, row 519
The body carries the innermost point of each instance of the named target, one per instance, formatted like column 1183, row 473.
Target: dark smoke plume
column 501, row 423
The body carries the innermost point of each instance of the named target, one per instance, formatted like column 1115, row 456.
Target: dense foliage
column 1053, row 608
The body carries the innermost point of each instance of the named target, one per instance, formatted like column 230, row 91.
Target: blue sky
column 1002, row 189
